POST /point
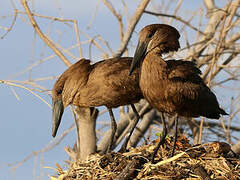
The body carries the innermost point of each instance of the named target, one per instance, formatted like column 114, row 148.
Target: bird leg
column 175, row 135
column 113, row 128
column 162, row 139
column 133, row 125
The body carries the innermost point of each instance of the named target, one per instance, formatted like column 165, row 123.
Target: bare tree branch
column 175, row 17
column 78, row 38
column 212, row 41
column 48, row 147
column 13, row 23
column 43, row 37
column 118, row 16
column 131, row 26
column 122, row 125
column 236, row 147
column 210, row 4
column 86, row 120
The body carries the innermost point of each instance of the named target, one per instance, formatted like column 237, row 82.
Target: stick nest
column 207, row 161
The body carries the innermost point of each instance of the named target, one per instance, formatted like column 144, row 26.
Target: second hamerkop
column 174, row 86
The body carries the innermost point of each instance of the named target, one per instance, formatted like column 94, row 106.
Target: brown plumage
column 105, row 83
column 173, row 87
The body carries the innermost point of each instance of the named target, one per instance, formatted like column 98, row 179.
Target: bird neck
column 153, row 70
column 154, row 63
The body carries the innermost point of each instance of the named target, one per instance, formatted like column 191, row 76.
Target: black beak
column 57, row 111
column 138, row 56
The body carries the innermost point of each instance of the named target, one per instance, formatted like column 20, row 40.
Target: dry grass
column 207, row 161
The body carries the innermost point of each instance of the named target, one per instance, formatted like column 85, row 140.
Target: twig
column 49, row 17
column 18, row 85
column 78, row 38
column 13, row 23
column 93, row 16
column 31, row 83
column 175, row 10
column 100, row 38
column 131, row 170
column 175, row 17
column 43, row 37
column 125, row 9
column 131, row 26
column 40, row 61
column 217, row 124
column 92, row 41
column 227, row 61
column 118, row 16
column 48, row 147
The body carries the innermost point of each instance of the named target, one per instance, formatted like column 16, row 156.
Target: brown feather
column 180, row 89
column 103, row 83
column 174, row 87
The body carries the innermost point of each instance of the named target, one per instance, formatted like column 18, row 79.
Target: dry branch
column 121, row 126
column 178, row 18
column 13, row 23
column 131, row 26
column 236, row 147
column 47, row 148
column 206, row 161
column 78, row 37
column 118, row 16
column 26, row 88
column 86, row 125
column 44, row 37
column 216, row 47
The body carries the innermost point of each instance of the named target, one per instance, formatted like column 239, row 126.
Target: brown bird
column 173, row 87
column 104, row 83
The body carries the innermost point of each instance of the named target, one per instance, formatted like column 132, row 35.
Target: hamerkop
column 104, row 83
column 173, row 87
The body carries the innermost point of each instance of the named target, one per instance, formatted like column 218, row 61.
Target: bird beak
column 138, row 56
column 57, row 111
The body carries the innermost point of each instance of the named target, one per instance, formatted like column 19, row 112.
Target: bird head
column 160, row 38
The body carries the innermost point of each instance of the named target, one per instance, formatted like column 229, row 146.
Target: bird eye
column 150, row 34
column 59, row 91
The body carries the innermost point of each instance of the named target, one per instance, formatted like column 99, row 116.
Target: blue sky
column 26, row 123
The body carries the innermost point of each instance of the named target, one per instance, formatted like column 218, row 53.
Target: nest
column 207, row 161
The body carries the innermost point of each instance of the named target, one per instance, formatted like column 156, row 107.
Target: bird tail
column 216, row 114
column 222, row 112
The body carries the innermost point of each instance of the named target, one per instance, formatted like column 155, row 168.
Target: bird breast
column 165, row 94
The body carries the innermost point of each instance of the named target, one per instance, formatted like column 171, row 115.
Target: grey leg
column 162, row 140
column 175, row 135
column 134, row 124
column 113, row 128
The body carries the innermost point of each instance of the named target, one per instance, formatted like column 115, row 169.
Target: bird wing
column 110, row 83
column 184, row 82
column 189, row 93
column 179, row 70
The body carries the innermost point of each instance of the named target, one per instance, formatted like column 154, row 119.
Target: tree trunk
column 86, row 125
column 236, row 148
